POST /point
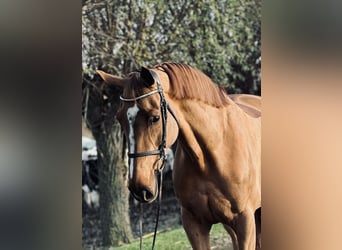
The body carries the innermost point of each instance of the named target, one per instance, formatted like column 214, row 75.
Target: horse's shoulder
column 251, row 104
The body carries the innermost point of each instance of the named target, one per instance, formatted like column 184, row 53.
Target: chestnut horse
column 217, row 162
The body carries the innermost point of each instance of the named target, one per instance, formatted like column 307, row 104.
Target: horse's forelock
column 135, row 85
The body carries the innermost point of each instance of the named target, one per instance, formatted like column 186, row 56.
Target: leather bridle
column 164, row 107
column 161, row 151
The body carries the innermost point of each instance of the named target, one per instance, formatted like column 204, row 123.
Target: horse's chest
column 204, row 200
column 213, row 198
column 221, row 208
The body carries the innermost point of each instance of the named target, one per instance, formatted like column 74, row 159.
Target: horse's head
column 149, row 128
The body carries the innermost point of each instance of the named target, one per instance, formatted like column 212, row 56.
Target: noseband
column 164, row 107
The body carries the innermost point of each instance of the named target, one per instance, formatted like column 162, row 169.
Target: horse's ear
column 146, row 76
column 111, row 79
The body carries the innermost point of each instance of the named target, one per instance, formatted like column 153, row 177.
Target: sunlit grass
column 177, row 240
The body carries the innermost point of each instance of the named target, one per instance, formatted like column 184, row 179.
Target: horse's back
column 251, row 104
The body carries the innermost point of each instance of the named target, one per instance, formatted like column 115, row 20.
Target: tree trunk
column 112, row 168
column 114, row 205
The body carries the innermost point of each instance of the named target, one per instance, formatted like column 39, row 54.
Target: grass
column 177, row 240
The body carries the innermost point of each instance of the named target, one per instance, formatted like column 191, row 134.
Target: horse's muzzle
column 144, row 194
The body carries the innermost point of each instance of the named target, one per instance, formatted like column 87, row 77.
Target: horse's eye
column 154, row 119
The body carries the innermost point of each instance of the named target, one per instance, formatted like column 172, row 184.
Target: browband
column 139, row 97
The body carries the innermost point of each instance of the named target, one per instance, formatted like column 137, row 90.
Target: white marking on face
column 131, row 115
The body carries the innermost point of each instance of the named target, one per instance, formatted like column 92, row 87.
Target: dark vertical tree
column 101, row 109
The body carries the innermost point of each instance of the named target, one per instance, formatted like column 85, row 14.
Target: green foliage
column 221, row 38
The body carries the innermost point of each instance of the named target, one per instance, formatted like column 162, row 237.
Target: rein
column 161, row 151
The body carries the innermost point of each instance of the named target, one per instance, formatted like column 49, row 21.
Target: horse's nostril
column 147, row 195
column 142, row 194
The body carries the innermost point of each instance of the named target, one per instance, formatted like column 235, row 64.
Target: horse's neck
column 203, row 128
